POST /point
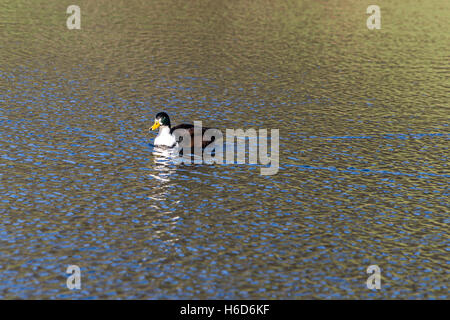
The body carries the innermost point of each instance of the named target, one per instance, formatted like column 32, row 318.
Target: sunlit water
column 364, row 136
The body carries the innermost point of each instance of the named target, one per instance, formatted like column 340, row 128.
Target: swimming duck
column 166, row 136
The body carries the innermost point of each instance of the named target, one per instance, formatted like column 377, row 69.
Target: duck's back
column 182, row 126
column 190, row 129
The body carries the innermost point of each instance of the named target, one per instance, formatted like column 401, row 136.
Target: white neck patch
column 164, row 138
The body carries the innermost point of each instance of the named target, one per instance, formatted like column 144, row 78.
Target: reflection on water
column 164, row 163
column 363, row 159
column 162, row 168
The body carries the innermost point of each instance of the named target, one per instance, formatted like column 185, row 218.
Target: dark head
column 161, row 119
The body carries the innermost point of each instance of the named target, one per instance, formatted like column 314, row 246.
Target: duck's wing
column 190, row 129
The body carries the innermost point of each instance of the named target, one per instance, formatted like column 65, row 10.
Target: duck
column 166, row 136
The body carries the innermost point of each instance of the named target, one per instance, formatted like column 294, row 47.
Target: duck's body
column 167, row 137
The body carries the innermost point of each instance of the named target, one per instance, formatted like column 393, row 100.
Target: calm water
column 364, row 137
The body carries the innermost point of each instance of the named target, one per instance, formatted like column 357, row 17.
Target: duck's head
column 161, row 120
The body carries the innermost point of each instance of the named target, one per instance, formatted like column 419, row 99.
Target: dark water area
column 363, row 176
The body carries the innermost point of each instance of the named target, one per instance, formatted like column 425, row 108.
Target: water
column 364, row 136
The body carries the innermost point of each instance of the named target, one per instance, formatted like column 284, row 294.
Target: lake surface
column 364, row 150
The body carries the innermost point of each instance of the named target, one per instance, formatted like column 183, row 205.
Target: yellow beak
column 155, row 125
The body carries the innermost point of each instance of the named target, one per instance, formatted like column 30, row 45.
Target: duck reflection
column 162, row 206
column 164, row 164
column 163, row 167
